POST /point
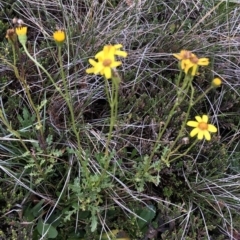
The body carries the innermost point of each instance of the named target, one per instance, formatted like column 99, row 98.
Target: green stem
column 116, row 101
column 181, row 94
column 107, row 91
column 202, row 95
column 191, row 104
column 112, row 117
column 44, row 70
column 68, row 100
column 187, row 114
column 113, row 102
column 184, row 154
column 14, row 54
column 63, row 96
column 179, row 78
column 23, row 81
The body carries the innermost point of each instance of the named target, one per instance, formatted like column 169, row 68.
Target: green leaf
column 93, row 223
column 28, row 214
column 148, row 213
column 55, row 219
column 46, row 229
column 27, row 118
column 49, row 140
column 36, row 209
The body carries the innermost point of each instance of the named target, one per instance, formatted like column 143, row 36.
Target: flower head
column 216, row 82
column 190, row 61
column 106, row 60
column 111, row 49
column 103, row 67
column 22, row 34
column 21, row 31
column 201, row 128
column 183, row 55
column 59, row 36
column 11, row 35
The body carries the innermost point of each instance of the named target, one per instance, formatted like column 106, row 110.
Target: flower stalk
column 68, row 98
column 113, row 103
column 105, row 66
column 21, row 33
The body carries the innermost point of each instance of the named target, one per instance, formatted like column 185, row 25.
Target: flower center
column 203, row 126
column 194, row 59
column 107, row 62
column 186, row 54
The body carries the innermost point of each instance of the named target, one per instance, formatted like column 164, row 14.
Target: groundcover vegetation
column 119, row 119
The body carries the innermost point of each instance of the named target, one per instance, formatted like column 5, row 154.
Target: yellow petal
column 121, row 53
column 194, row 70
column 203, row 61
column 207, row 135
column 192, row 123
column 212, row 128
column 115, row 64
column 108, row 50
column 182, row 65
column 187, row 64
column 105, row 50
column 102, row 72
column 205, row 118
column 194, row 132
column 21, row 30
column 177, row 55
column 200, row 135
column 99, row 55
column 98, row 67
column 117, row 46
column 59, row 36
column 90, row 70
column 111, row 51
column 92, row 62
column 198, row 118
column 107, row 72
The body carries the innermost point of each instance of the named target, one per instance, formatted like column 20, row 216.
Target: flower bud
column 22, row 34
column 20, row 22
column 59, row 37
column 14, row 21
column 216, row 82
column 11, row 35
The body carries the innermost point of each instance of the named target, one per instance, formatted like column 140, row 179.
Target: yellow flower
column 184, row 54
column 190, row 61
column 103, row 67
column 22, row 34
column 111, row 49
column 201, row 127
column 21, row 31
column 106, row 60
column 59, row 36
column 216, row 82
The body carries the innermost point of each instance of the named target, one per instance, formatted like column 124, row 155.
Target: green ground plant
column 97, row 132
